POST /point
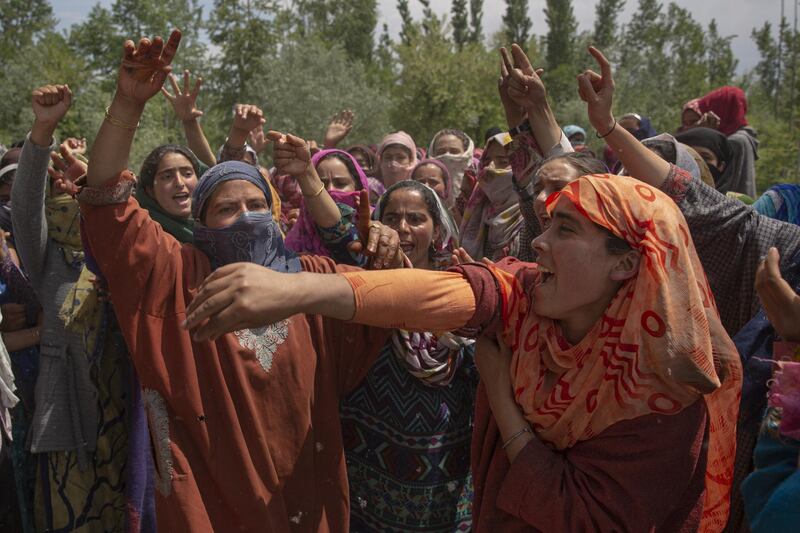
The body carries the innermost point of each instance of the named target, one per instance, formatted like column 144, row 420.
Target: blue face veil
column 253, row 237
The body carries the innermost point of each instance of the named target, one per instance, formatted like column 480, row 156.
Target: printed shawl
column 659, row 347
column 303, row 237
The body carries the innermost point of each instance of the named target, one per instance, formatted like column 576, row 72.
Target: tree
column 476, row 21
column 307, row 82
column 350, row 23
column 720, row 60
column 606, row 13
column 22, row 23
column 516, row 22
column 767, row 68
column 408, row 29
column 460, row 21
column 245, row 34
column 561, row 29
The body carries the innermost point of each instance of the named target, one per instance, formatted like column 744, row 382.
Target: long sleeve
column 27, row 213
column 141, row 262
column 645, row 474
column 731, row 238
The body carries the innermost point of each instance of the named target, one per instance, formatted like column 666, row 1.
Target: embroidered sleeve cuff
column 677, row 183
column 115, row 191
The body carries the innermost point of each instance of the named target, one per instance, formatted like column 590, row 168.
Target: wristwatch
column 522, row 128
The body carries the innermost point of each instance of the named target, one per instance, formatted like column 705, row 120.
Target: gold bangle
column 118, row 123
column 321, row 188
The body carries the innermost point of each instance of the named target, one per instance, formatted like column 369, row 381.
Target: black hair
column 491, row 132
column 664, row 149
column 455, row 133
column 584, row 163
column 150, row 164
column 350, row 167
column 428, row 195
column 615, row 245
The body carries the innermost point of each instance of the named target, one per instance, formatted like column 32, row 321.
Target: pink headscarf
column 448, row 182
column 403, row 139
column 730, row 105
column 303, row 236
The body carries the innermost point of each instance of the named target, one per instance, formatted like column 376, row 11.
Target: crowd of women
column 513, row 335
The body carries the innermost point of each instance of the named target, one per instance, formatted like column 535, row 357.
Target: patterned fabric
column 71, row 499
column 63, row 226
column 639, row 331
column 303, row 237
column 785, row 395
column 408, row 449
column 82, row 313
column 771, row 492
column 781, row 202
column 16, row 288
column 254, row 237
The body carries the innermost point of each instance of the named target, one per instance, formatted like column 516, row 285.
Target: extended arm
column 232, row 298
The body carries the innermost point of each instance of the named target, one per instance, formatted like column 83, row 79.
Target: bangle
column 321, row 188
column 35, row 331
column 516, row 435
column 118, row 123
column 609, row 131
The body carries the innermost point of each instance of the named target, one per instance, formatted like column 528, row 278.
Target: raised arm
column 293, row 157
column 522, row 90
column 338, row 128
column 597, row 90
column 141, row 76
column 246, row 118
column 184, row 103
column 50, row 103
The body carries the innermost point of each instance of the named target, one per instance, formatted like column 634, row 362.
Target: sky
column 734, row 17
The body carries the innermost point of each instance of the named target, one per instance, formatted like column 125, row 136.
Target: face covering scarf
column 253, row 238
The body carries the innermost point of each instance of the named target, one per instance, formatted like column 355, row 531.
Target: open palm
column 145, row 67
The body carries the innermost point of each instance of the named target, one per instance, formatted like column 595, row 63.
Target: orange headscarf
column 659, row 347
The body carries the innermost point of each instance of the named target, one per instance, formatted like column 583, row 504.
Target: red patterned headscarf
column 730, row 105
column 658, row 348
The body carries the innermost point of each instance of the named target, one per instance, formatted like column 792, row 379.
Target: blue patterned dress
column 407, row 446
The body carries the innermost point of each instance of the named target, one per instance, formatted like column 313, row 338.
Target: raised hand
column 382, row 242
column 258, row 140
column 76, row 146
column 66, row 170
column 292, row 154
column 339, row 127
column 184, row 101
column 247, row 117
column 50, row 103
column 709, row 119
column 597, row 90
column 524, row 87
column 780, row 302
column 145, row 67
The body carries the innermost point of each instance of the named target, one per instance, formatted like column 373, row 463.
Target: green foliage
column 304, row 60
column 476, row 21
column 561, row 29
column 460, row 21
column 21, row 23
column 606, row 14
column 516, row 22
